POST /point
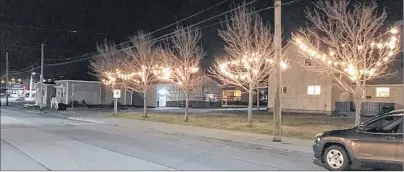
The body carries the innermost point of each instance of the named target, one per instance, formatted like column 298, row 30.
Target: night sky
column 71, row 28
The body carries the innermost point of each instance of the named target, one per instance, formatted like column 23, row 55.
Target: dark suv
column 378, row 141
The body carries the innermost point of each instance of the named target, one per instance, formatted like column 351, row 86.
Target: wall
column 175, row 95
column 296, row 78
column 396, row 94
column 107, row 96
column 48, row 93
column 339, row 95
column 89, row 91
column 137, row 99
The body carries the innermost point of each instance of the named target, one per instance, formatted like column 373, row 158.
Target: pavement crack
column 26, row 154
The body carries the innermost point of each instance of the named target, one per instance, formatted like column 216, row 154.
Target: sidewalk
column 290, row 144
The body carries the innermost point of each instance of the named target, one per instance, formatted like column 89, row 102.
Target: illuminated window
column 382, row 92
column 313, row 90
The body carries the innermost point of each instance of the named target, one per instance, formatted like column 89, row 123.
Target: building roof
column 78, row 81
column 396, row 68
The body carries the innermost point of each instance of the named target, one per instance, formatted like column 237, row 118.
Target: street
column 34, row 141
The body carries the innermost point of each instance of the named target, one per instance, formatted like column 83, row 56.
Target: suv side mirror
column 361, row 127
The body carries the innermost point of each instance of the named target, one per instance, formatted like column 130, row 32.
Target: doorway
column 162, row 100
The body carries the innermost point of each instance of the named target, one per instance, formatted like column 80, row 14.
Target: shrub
column 83, row 103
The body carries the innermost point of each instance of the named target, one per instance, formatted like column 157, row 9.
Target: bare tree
column 347, row 42
column 140, row 68
column 181, row 62
column 106, row 65
column 249, row 47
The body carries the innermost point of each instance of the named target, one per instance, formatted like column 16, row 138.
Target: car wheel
column 336, row 158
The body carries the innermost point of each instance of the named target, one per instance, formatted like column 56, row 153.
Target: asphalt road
column 36, row 142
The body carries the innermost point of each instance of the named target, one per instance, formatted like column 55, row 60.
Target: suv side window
column 388, row 124
column 400, row 129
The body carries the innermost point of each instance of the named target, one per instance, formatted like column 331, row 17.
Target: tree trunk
column 258, row 100
column 250, row 104
column 145, row 105
column 186, row 108
column 358, row 108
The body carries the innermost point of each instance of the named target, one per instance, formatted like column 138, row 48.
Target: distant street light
column 2, row 81
column 19, row 80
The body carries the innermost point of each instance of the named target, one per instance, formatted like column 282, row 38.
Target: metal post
column 41, row 77
column 278, row 58
column 258, row 100
column 115, row 106
column 72, row 95
column 30, row 83
column 7, row 70
column 7, row 78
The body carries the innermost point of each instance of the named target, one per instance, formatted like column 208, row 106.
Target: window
column 382, row 92
column 307, row 62
column 313, row 90
column 284, row 89
column 389, row 124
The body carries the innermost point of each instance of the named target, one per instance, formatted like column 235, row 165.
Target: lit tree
column 140, row 68
column 357, row 49
column 249, row 60
column 181, row 62
column 106, row 65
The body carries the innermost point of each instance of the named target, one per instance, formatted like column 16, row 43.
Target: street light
column 19, row 80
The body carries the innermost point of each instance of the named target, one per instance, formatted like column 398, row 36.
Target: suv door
column 377, row 140
column 400, row 147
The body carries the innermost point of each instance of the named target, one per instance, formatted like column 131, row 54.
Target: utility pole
column 278, row 59
column 30, row 83
column 7, row 78
column 72, row 95
column 41, row 77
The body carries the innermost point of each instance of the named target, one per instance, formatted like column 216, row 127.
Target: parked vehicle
column 377, row 142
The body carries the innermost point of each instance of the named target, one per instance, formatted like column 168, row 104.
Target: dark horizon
column 73, row 28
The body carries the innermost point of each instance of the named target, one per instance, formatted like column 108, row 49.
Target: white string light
column 349, row 69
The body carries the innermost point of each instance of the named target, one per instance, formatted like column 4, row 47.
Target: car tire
column 336, row 158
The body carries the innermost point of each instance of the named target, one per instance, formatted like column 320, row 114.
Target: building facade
column 306, row 91
column 208, row 95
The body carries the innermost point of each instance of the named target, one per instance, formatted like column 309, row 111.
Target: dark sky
column 73, row 27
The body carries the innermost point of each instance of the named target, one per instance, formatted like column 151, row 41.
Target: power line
column 38, row 47
column 88, row 54
column 172, row 24
column 180, row 21
column 27, row 68
column 50, row 29
column 162, row 37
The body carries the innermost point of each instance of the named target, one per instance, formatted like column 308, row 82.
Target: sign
column 21, row 86
column 117, row 94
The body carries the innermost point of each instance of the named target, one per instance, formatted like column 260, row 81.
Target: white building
column 305, row 91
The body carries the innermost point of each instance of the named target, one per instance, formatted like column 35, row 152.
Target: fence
column 203, row 102
column 368, row 108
